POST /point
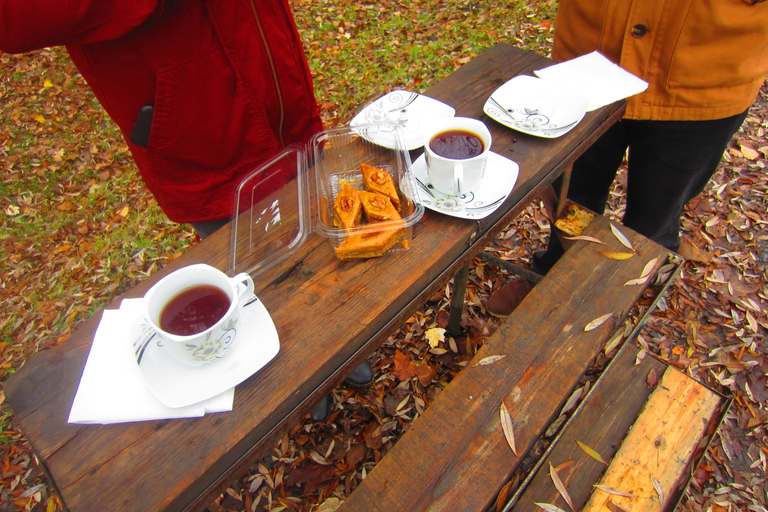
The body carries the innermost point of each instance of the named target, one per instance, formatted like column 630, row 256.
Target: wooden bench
column 645, row 419
column 456, row 457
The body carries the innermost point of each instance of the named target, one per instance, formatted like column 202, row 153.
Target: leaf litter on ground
column 104, row 233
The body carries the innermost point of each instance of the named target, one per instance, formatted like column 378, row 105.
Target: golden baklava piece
column 379, row 180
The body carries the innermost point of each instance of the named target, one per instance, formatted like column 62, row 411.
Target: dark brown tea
column 194, row 310
column 457, row 144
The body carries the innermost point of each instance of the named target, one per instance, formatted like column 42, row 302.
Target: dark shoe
column 543, row 261
column 503, row 301
column 361, row 377
column 322, row 409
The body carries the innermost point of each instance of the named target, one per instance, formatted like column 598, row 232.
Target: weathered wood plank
column 659, row 446
column 455, row 457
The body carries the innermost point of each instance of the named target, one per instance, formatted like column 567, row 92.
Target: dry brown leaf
column 597, row 322
column 506, row 426
column 560, row 487
column 563, row 466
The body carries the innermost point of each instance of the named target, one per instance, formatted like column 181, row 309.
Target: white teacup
column 455, row 174
column 211, row 342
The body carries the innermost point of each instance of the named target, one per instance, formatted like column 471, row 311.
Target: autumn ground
column 78, row 227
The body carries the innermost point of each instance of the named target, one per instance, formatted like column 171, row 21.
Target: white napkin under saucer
column 112, row 388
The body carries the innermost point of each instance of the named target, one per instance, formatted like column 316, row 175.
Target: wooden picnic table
column 330, row 316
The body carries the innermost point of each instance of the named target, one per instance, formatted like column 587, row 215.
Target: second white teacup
column 194, row 311
column 456, row 152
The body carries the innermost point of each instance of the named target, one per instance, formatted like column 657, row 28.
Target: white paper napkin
column 595, row 77
column 112, row 388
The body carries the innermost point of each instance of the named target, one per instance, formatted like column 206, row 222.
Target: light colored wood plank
column 659, row 445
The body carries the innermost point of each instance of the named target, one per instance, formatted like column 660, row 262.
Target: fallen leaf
column 659, row 490
column 585, row 238
column 597, row 322
column 633, row 282
column 645, row 274
column 548, row 507
column 404, row 367
column 501, row 498
column 506, row 426
column 592, row 453
column 616, row 255
column 435, row 336
column 489, row 360
column 560, row 487
column 611, row 344
column 651, row 379
column 749, row 153
column 649, row 267
column 614, row 507
column 614, row 491
column 620, row 236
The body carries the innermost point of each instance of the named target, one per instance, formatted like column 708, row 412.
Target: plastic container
column 277, row 205
column 338, row 154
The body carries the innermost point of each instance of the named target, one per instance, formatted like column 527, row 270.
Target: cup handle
column 458, row 179
column 246, row 282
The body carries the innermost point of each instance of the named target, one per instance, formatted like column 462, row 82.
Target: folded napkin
column 598, row 79
column 112, row 388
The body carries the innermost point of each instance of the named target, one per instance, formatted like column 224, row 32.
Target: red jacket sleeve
column 27, row 25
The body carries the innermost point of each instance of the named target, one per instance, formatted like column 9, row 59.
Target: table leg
column 457, row 300
column 562, row 193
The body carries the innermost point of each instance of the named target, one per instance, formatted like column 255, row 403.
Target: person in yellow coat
column 704, row 61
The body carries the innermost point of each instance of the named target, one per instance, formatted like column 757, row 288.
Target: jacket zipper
column 274, row 73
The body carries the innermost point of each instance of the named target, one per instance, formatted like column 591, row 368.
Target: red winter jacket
column 228, row 80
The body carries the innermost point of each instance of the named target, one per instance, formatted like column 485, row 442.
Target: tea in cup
column 195, row 310
column 456, row 154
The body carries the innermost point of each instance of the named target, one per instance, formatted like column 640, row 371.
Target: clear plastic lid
column 272, row 208
column 271, row 213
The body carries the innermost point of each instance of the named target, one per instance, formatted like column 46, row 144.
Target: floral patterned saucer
column 534, row 106
column 177, row 385
column 499, row 180
column 407, row 109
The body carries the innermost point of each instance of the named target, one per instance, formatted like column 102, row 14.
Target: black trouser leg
column 669, row 164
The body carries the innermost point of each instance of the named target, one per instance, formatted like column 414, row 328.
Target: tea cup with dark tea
column 195, row 310
column 457, row 151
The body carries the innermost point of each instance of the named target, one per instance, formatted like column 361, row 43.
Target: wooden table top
column 329, row 314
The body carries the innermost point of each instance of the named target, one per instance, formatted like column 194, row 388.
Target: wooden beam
column 658, row 446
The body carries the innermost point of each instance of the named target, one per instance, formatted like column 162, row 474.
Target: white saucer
column 499, row 180
column 410, row 110
column 178, row 385
column 534, row 106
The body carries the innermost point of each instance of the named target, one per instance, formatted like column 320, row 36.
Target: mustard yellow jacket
column 703, row 59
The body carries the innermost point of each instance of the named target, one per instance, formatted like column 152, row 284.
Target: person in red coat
column 203, row 91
